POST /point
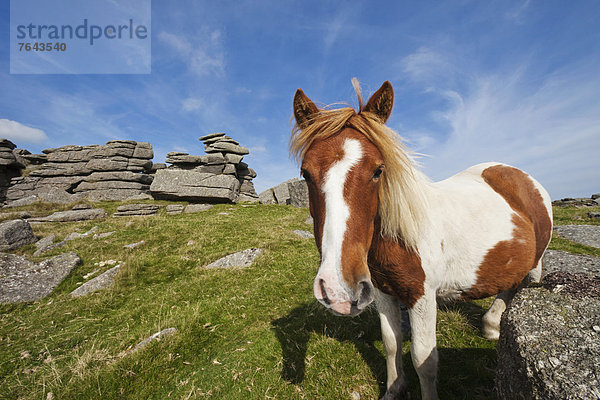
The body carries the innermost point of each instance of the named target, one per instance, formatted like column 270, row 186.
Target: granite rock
column 548, row 347
column 129, row 210
column 14, row 234
column 100, row 282
column 588, row 235
column 21, row 280
column 240, row 259
column 73, row 215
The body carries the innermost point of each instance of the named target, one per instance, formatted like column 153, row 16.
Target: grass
column 241, row 333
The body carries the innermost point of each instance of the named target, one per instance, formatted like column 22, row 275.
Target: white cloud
column 257, row 149
column 204, row 55
column 517, row 14
column 18, row 132
column 192, row 104
column 425, row 65
column 548, row 125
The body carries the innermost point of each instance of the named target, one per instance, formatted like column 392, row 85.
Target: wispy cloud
column 18, row 132
column 517, row 14
column 547, row 128
column 192, row 104
column 425, row 65
column 203, row 54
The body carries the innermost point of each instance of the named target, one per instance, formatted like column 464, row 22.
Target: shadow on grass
column 463, row 372
column 294, row 330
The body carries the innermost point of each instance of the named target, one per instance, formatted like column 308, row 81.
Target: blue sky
column 475, row 81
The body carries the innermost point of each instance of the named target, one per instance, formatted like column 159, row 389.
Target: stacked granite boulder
column 220, row 176
column 11, row 165
column 293, row 192
column 115, row 171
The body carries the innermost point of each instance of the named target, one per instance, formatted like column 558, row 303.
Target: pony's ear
column 304, row 109
column 381, row 102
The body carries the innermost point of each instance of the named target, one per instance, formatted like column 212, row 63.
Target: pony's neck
column 403, row 211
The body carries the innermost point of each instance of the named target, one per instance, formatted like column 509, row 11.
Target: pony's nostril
column 324, row 298
column 365, row 294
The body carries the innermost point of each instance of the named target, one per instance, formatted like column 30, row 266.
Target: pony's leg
column 390, row 316
column 423, row 346
column 535, row 275
column 491, row 319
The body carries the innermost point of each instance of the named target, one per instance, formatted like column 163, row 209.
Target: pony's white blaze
column 329, row 278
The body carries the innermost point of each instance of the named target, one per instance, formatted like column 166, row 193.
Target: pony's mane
column 402, row 201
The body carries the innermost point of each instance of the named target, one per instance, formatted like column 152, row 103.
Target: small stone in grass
column 134, row 245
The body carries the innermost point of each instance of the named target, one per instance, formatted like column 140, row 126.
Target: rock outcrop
column 220, row 176
column 117, row 170
column 11, row 164
column 549, row 345
column 588, row 235
column 592, row 201
column 293, row 192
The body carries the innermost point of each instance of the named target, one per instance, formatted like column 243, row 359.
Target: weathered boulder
column 102, row 281
column 25, row 201
column 11, row 165
column 196, row 208
column 226, row 147
column 176, row 184
column 298, row 191
column 240, row 259
column 549, row 345
column 217, row 177
column 293, row 192
column 588, row 235
column 205, row 138
column 173, row 209
column 22, row 280
column 267, row 197
column 177, row 158
column 556, row 260
column 158, row 336
column 14, row 234
column 303, row 234
column 122, row 176
column 129, row 210
column 72, row 215
column 115, row 171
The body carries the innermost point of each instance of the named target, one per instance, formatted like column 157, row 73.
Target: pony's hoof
column 491, row 334
column 395, row 393
column 396, row 396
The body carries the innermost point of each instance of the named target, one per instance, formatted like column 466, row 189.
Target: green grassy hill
column 241, row 333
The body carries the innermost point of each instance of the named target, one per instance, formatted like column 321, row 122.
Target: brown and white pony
column 387, row 233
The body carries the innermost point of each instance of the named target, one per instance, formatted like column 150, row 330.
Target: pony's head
column 357, row 173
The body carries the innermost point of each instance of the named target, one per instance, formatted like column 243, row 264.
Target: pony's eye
column 378, row 172
column 305, row 175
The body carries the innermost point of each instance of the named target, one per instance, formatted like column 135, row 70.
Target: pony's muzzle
column 342, row 301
